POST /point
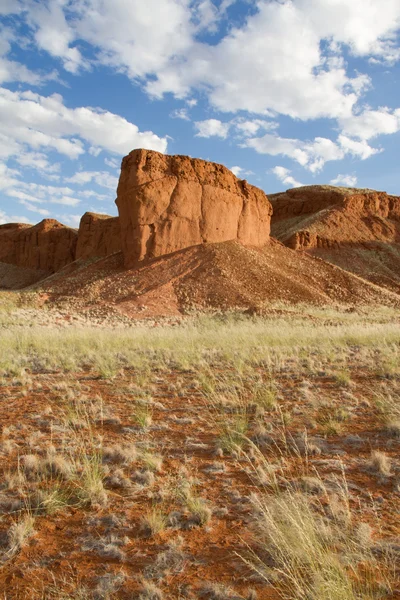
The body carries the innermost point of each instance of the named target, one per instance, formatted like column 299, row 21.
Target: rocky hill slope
column 356, row 229
column 222, row 276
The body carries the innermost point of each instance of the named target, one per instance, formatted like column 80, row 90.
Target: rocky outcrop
column 356, row 229
column 8, row 241
column 46, row 247
column 326, row 216
column 98, row 235
column 167, row 203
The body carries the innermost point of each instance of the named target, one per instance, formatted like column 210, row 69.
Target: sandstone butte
column 326, row 217
column 167, row 203
column 47, row 246
column 98, row 235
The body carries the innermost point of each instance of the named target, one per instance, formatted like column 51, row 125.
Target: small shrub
column 154, row 522
column 19, row 533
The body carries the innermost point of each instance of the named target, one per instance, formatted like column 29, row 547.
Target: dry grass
column 127, row 464
column 311, row 552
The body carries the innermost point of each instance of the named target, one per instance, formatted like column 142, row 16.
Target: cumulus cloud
column 10, row 7
column 310, row 154
column 275, row 60
column 34, row 208
column 112, row 162
column 344, row 180
column 102, row 178
column 53, row 34
column 39, row 122
column 240, row 172
column 242, row 127
column 371, row 123
column 367, row 27
column 136, row 37
column 212, row 128
column 33, row 196
column 359, row 149
column 180, row 113
column 40, row 162
column 249, row 127
column 71, row 220
column 3, row 217
column 284, row 175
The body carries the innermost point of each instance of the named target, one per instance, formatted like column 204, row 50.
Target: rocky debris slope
column 325, row 216
column 167, row 203
column 217, row 276
column 98, row 235
column 358, row 230
column 47, row 246
column 17, row 278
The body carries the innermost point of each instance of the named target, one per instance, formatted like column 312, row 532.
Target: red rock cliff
column 325, row 216
column 98, row 235
column 48, row 246
column 167, row 203
column 8, row 241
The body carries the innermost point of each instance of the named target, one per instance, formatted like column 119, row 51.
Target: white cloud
column 239, row 172
column 71, row 220
column 29, row 119
column 248, row 127
column 102, row 178
column 283, row 175
column 8, row 177
column 212, row 127
column 24, row 197
column 3, row 217
column 359, row 149
column 33, row 195
column 112, row 162
column 135, row 37
column 53, row 34
column 371, row 123
column 37, row 161
column 10, row 7
column 33, row 208
column 368, row 27
column 273, row 62
column 13, row 71
column 67, row 201
column 243, row 127
column 92, row 194
column 311, row 154
column 344, row 180
column 180, row 113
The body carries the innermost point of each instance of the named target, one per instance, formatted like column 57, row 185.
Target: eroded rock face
column 47, row 246
column 98, row 235
column 8, row 241
column 167, row 203
column 326, row 217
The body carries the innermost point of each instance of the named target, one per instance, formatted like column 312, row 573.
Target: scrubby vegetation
column 220, row 456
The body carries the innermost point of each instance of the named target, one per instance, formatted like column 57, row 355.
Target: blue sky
column 284, row 92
